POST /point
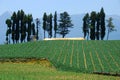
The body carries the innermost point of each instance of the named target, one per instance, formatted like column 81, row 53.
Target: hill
column 69, row 55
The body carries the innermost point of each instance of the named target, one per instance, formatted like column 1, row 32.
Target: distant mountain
column 3, row 26
column 76, row 31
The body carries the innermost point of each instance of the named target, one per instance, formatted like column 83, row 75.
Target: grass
column 36, row 71
column 70, row 55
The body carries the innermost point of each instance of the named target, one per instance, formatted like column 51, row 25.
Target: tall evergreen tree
column 7, row 33
column 86, row 25
column 48, row 25
column 33, row 29
column 29, row 29
column 102, row 20
column 37, row 24
column 55, row 24
column 13, row 18
column 9, row 23
column 17, row 30
column 22, row 25
column 50, row 32
column 98, row 26
column 24, row 28
column 44, row 23
column 64, row 24
column 92, row 28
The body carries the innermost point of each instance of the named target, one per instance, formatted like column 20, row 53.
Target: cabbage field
column 69, row 55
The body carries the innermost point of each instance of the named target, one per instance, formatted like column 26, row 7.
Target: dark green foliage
column 21, row 26
column 44, row 23
column 17, row 36
column 86, row 25
column 29, row 28
column 64, row 24
column 92, row 28
column 55, row 24
column 7, row 33
column 13, row 18
column 98, row 26
column 33, row 29
column 37, row 24
column 22, row 34
column 102, row 20
column 9, row 24
column 49, row 25
column 50, row 32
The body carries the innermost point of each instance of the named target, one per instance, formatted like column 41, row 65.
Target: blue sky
column 38, row 7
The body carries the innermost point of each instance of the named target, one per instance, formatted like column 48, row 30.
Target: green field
column 70, row 55
column 28, row 71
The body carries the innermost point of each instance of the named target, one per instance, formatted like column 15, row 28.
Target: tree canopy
column 65, row 23
column 95, row 23
column 20, row 26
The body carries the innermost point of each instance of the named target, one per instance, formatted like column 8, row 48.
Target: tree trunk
column 13, row 42
column 88, row 36
column 9, row 38
column 63, row 36
column 108, row 34
column 44, row 34
column 55, row 34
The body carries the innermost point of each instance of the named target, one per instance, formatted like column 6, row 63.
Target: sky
column 38, row 7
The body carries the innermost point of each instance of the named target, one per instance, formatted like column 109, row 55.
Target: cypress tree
column 102, row 20
column 9, row 23
column 37, row 24
column 86, row 25
column 33, row 29
column 29, row 21
column 48, row 25
column 44, row 23
column 25, row 27
column 22, row 25
column 17, row 31
column 55, row 24
column 92, row 28
column 98, row 26
column 50, row 33
column 13, row 18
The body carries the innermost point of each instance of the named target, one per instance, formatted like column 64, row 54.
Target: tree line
column 94, row 25
column 20, row 27
column 62, row 28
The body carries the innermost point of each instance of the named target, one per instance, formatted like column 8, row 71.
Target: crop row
column 81, row 56
column 87, row 56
